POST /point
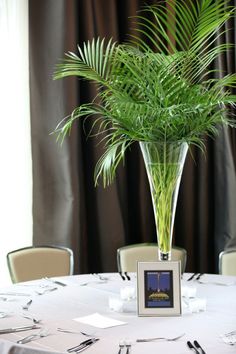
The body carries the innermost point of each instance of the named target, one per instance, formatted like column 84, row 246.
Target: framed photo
column 159, row 288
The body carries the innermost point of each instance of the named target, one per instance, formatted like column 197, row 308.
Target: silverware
column 55, row 281
column 216, row 283
column 191, row 347
column 3, row 314
column 121, row 346
column 83, row 345
column 27, row 305
column 68, row 331
column 42, row 333
column 30, row 317
column 87, row 334
column 64, row 330
column 14, row 294
column 199, row 276
column 197, row 345
column 100, row 277
column 192, row 276
column 128, row 347
column 230, row 333
column 127, row 276
column 122, row 276
column 160, row 338
column 45, row 291
column 2, row 298
column 18, row 329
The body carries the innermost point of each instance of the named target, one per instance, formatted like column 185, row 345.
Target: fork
column 160, row 338
column 45, row 291
column 100, row 277
column 230, row 333
column 42, row 333
column 128, row 347
column 215, row 282
column 64, row 330
column 121, row 346
column 3, row 314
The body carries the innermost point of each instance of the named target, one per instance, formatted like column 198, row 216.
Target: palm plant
column 158, row 88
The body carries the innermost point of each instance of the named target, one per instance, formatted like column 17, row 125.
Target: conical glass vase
column 164, row 164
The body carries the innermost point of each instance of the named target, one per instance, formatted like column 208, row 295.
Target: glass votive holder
column 127, row 293
column 115, row 304
column 197, row 305
column 188, row 291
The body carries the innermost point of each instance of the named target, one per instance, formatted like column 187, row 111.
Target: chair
column 227, row 262
column 36, row 262
column 128, row 256
column 8, row 347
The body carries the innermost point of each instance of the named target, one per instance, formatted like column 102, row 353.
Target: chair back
column 227, row 262
column 128, row 256
column 37, row 262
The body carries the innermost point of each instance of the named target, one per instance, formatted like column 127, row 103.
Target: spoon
column 27, row 305
column 35, row 320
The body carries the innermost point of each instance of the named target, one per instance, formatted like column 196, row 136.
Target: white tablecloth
column 58, row 309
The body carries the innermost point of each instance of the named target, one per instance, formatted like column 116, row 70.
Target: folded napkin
column 99, row 321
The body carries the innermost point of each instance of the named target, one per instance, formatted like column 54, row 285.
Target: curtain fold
column 94, row 222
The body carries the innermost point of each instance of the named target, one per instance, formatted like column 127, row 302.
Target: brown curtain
column 94, row 222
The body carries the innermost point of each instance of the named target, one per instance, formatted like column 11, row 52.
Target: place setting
column 202, row 278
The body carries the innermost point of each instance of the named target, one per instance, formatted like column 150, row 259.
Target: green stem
column 164, row 164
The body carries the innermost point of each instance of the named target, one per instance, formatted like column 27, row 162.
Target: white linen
column 7, row 347
column 60, row 307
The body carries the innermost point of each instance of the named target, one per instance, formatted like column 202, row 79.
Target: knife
column 18, row 329
column 83, row 345
column 14, row 294
column 127, row 276
column 55, row 281
column 199, row 276
column 122, row 276
column 192, row 276
column 189, row 344
column 197, row 345
column 87, row 345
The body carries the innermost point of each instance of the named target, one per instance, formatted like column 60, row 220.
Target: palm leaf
column 92, row 63
column 158, row 87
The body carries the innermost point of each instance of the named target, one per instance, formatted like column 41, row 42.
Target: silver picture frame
column 159, row 288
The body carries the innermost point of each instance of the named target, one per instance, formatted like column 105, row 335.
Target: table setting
column 93, row 312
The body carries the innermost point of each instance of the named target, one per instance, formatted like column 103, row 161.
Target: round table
column 86, row 295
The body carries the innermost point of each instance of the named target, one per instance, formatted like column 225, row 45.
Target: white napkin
column 99, row 321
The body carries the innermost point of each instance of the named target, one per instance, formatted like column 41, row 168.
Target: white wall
column 15, row 150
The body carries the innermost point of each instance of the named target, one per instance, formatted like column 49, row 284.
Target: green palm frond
column 92, row 63
column 189, row 25
column 107, row 164
column 160, row 86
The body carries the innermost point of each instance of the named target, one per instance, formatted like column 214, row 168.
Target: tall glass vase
column 164, row 164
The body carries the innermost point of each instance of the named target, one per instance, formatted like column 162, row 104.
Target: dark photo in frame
column 158, row 289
